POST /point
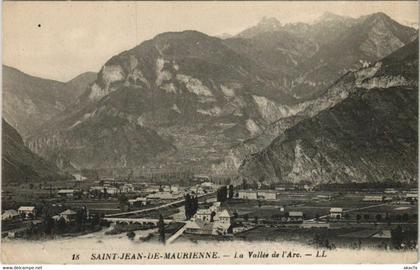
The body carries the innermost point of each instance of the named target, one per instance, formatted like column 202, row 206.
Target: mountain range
column 189, row 101
column 30, row 101
column 369, row 136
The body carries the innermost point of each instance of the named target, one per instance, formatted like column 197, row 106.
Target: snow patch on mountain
column 271, row 111
column 228, row 92
column 161, row 74
column 112, row 74
column 252, row 127
column 215, row 111
column 175, row 108
column 169, row 88
column 194, row 85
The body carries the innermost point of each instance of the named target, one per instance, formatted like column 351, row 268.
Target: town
column 204, row 208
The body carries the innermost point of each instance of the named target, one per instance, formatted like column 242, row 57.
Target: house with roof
column 215, row 220
column 336, row 212
column 27, row 211
column 267, row 194
column 247, row 194
column 411, row 196
column 10, row 214
column 126, row 188
column 390, row 191
column 203, row 214
column 295, row 216
column 199, row 226
column 373, row 198
column 139, row 201
column 68, row 215
column 69, row 193
column 225, row 217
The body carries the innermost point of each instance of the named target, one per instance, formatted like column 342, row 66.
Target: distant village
column 206, row 209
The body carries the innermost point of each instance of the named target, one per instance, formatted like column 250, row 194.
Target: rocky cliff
column 19, row 164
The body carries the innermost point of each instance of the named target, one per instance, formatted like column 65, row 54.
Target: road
column 177, row 234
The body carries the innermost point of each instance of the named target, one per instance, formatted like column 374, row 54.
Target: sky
column 60, row 40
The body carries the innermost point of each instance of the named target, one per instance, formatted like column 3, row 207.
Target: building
column 247, row 194
column 336, row 212
column 165, row 196
column 126, row 188
column 111, row 190
column 10, row 214
column 139, row 201
column 267, row 194
column 27, row 211
column 68, row 215
column 295, row 216
column 199, row 227
column 373, row 198
column 69, row 193
column 225, row 217
column 390, row 191
column 308, row 188
column 202, row 177
column 203, row 214
column 323, row 197
column 210, row 214
column 411, row 196
column 383, row 234
column 215, row 220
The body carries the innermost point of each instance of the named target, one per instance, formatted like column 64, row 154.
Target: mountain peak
column 379, row 17
column 269, row 22
column 329, row 16
column 266, row 24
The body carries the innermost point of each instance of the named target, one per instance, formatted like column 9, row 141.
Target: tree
column 244, row 184
column 397, row 237
column 61, row 225
column 187, row 206
column 230, row 192
column 194, row 205
column 131, row 235
column 161, row 229
column 123, row 200
column 49, row 224
column 222, row 194
column 212, row 216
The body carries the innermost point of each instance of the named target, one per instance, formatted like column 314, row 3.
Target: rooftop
column 26, row 208
column 295, row 214
column 68, row 212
